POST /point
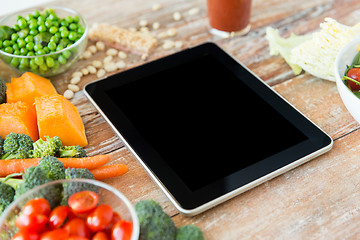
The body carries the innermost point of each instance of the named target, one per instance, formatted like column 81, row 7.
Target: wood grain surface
column 318, row 200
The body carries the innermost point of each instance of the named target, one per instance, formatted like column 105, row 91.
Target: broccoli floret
column 50, row 147
column 17, row 145
column 72, row 152
column 1, row 146
column 189, row 232
column 2, row 91
column 35, row 176
column 154, row 222
column 53, row 168
column 7, row 194
column 71, row 188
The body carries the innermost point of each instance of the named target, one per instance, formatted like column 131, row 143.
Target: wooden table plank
column 318, row 200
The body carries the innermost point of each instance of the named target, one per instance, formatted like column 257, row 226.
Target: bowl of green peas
column 43, row 41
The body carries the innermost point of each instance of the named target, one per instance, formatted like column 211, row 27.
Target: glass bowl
column 107, row 195
column 61, row 59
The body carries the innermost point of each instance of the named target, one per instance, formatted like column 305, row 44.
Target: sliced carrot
column 19, row 165
column 109, row 171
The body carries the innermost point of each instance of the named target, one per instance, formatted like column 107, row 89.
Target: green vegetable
column 5, row 32
column 72, row 152
column 53, row 168
column 71, row 188
column 49, row 147
column 1, row 146
column 2, row 91
column 7, row 194
column 189, row 232
column 283, row 46
column 17, row 146
column 154, row 222
column 43, row 38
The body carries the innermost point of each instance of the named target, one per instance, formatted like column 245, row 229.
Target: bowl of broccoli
column 57, row 193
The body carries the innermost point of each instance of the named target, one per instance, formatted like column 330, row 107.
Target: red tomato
column 100, row 236
column 77, row 227
column 122, row 230
column 77, row 238
column 58, row 216
column 37, row 206
column 56, row 234
column 26, row 235
column 116, row 218
column 84, row 201
column 35, row 222
column 354, row 73
column 98, row 219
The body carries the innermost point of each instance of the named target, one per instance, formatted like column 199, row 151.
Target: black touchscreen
column 203, row 120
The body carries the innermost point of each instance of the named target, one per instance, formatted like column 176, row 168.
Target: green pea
column 39, row 61
column 80, row 30
column 69, row 19
column 59, row 47
column 14, row 36
column 58, row 35
column 62, row 59
column 64, row 23
column 38, row 47
column 33, row 32
column 41, row 18
column 28, row 17
column 54, row 39
column 16, row 28
column 22, row 23
column 36, row 13
column 64, row 34
column 15, row 46
column 24, row 62
column 30, row 53
column 9, row 49
column 21, row 42
column 42, row 28
column 29, row 38
column 48, row 23
column 66, row 54
column 73, row 26
column 23, row 51
column 16, row 52
column 46, row 50
column 43, row 67
column 52, row 45
column 14, row 62
column 23, row 33
column 73, row 36
column 50, row 62
column 6, row 43
column 76, row 19
column 40, row 52
column 30, row 46
column 53, row 29
column 52, row 16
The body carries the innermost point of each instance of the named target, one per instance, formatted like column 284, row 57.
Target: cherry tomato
column 100, row 236
column 58, row 216
column 37, row 206
column 56, row 234
column 84, row 201
column 354, row 73
column 35, row 222
column 98, row 219
column 77, row 227
column 26, row 235
column 77, row 238
column 116, row 218
column 122, row 230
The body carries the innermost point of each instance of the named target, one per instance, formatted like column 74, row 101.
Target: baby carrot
column 109, row 171
column 19, row 165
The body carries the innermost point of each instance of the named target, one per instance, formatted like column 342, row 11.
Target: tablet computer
column 204, row 127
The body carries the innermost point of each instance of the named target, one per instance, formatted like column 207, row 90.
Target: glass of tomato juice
column 229, row 17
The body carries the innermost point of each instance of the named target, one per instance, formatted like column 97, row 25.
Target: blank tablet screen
column 203, row 120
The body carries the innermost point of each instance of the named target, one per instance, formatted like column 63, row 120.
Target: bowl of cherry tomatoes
column 72, row 209
column 347, row 74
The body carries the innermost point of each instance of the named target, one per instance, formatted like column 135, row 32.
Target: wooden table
column 318, row 200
